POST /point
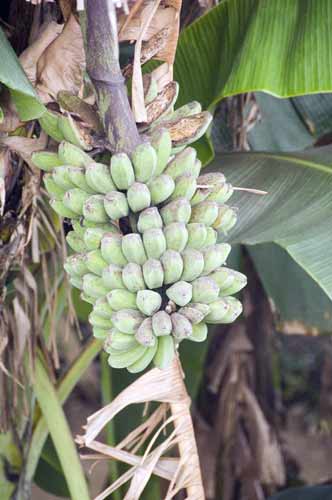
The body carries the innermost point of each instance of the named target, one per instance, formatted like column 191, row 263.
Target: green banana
column 143, row 362
column 153, row 273
column 75, row 242
column 149, row 219
column 116, row 205
column 95, row 262
column 148, row 302
column 111, row 249
column 144, row 334
column 127, row 320
column 193, row 264
column 72, row 155
column 132, row 277
column 176, row 235
column 138, row 196
column 154, row 243
column 161, row 188
column 94, row 210
column 177, row 211
column 161, row 141
column 46, row 160
column 204, row 290
column 144, row 160
column 165, row 352
column 121, row 299
column 197, row 233
column 133, row 248
column 74, row 199
column 181, row 327
column 112, row 277
column 173, row 266
column 180, row 293
column 161, row 323
column 98, row 178
column 122, row 171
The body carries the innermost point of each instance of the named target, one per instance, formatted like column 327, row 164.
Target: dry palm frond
column 183, row 473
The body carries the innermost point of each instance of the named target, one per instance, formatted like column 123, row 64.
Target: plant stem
column 102, row 55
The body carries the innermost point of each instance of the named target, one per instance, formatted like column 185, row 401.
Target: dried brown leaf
column 167, row 17
column 61, row 65
column 24, row 146
column 30, row 56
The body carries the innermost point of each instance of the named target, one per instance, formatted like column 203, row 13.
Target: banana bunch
column 144, row 233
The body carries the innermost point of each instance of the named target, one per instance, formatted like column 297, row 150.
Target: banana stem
column 102, row 60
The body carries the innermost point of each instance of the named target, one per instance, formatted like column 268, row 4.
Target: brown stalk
column 102, row 55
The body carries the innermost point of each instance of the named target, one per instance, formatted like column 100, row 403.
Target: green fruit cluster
column 146, row 255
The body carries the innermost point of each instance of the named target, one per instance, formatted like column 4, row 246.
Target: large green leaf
column 282, row 48
column 298, row 299
column 305, row 493
column 296, row 213
column 12, row 76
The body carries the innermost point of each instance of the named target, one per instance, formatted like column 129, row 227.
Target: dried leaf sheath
column 167, row 387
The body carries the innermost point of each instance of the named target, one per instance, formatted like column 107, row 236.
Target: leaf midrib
column 284, row 158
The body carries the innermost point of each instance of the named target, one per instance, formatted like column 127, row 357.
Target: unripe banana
column 226, row 219
column 77, row 177
column 102, row 308
column 181, row 326
column 182, row 163
column 193, row 264
column 176, row 235
column 180, row 293
column 122, row 341
column 75, row 242
column 77, row 282
column 153, row 273
column 210, row 186
column 100, row 333
column 92, row 237
column 224, row 277
column 111, row 249
column 99, row 321
column 215, row 256
column 239, row 281
column 123, row 359
column 138, row 196
column 133, row 248
column 78, row 228
column 197, row 234
column 127, row 320
column 94, row 210
column 120, row 299
column 176, row 211
column 71, row 132
column 98, row 178
column 74, row 199
column 148, row 302
column 95, row 262
column 205, row 212
column 72, row 155
column 144, row 334
column 112, row 277
column 149, row 219
column 199, row 333
column 76, row 265
column 185, row 187
column 122, row 171
column 60, row 176
column 223, row 195
column 161, row 188
column 46, row 160
column 49, row 123
column 161, row 141
column 154, row 243
column 116, row 205
column 144, row 361
column 196, row 168
column 94, row 286
column 161, row 323
column 52, row 188
column 204, row 290
column 87, row 298
column 165, row 352
column 211, row 237
column 62, row 210
column 195, row 312
column 132, row 277
column 144, row 160
column 188, row 109
column 218, row 310
column 173, row 266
